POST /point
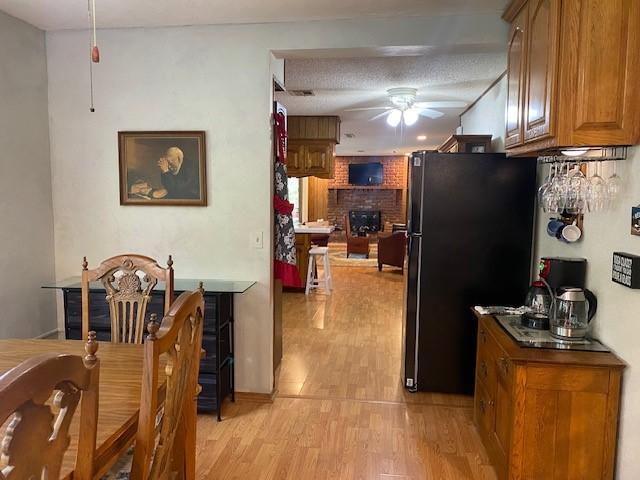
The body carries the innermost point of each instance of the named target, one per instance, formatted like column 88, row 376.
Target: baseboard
column 256, row 397
column 50, row 334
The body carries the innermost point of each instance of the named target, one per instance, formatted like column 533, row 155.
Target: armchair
column 391, row 249
column 355, row 244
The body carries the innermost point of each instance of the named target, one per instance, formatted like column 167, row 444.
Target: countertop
column 179, row 285
column 518, row 353
column 311, row 229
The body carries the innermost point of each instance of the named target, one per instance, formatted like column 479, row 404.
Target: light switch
column 257, row 240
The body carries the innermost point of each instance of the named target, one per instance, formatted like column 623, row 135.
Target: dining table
column 121, row 368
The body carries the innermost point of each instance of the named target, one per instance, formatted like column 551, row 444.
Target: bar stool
column 313, row 279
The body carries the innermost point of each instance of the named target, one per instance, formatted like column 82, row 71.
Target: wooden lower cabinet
column 302, row 245
column 545, row 414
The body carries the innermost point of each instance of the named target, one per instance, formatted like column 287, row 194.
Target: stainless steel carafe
column 573, row 309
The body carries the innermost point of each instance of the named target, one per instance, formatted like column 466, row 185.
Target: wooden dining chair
column 166, row 448
column 37, row 435
column 128, row 281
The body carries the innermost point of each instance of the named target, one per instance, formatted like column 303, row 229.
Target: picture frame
column 635, row 221
column 162, row 168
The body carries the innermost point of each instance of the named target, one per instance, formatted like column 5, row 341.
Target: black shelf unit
column 216, row 368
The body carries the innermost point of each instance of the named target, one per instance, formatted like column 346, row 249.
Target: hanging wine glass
column 556, row 196
column 576, row 188
column 542, row 197
column 560, row 190
column 614, row 183
column 597, row 192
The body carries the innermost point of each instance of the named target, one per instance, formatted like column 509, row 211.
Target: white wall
column 26, row 215
column 617, row 320
column 487, row 116
column 214, row 78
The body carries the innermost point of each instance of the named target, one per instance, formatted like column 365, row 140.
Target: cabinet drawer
column 208, row 398
column 225, row 342
column 217, row 308
column 208, row 363
column 493, row 362
column 76, row 334
column 486, row 370
column 210, row 313
column 504, row 368
column 484, row 410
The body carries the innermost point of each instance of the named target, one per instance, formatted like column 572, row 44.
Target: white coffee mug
column 571, row 233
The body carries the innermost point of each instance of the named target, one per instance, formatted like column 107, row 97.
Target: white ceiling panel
column 72, row 14
column 460, row 73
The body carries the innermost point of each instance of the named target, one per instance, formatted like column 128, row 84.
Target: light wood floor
column 341, row 411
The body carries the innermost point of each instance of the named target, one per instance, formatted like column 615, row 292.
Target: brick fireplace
column 390, row 198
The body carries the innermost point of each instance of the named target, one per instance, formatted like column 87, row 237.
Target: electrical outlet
column 257, row 240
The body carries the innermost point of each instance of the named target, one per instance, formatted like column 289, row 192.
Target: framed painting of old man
column 162, row 168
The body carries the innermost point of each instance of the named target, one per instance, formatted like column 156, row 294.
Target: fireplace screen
column 365, row 221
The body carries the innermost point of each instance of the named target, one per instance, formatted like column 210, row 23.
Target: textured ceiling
column 72, row 14
column 458, row 73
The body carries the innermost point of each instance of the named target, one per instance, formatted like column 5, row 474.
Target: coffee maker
column 563, row 272
column 557, row 274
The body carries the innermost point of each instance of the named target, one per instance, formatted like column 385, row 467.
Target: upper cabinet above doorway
column 311, row 145
column 573, row 70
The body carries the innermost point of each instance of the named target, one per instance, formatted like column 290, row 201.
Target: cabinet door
column 502, row 426
column 600, row 70
column 295, row 159
column 302, row 245
column 541, row 67
column 319, row 159
column 318, row 198
column 515, row 78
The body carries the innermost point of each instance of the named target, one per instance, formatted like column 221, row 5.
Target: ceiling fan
column 405, row 109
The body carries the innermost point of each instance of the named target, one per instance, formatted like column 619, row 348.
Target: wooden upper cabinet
column 325, row 127
column 579, row 77
column 319, row 158
column 311, row 145
column 295, row 158
column 602, row 70
column 540, row 72
column 515, row 77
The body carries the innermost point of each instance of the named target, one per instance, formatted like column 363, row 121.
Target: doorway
column 347, row 342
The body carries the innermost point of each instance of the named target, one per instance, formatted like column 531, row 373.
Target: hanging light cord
column 91, row 7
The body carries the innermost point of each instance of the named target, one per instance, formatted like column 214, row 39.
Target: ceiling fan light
column 410, row 117
column 394, row 118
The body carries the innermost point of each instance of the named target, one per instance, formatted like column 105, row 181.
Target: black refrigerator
column 470, row 233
